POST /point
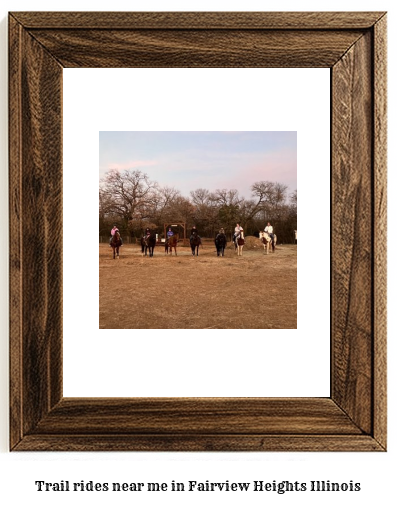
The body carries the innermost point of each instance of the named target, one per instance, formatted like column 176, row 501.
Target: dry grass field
column 254, row 291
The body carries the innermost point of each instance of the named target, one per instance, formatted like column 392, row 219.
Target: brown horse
column 171, row 243
column 116, row 243
column 267, row 241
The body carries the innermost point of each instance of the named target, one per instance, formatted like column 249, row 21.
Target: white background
column 375, row 471
column 211, row 362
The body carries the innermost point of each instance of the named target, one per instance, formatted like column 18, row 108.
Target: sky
column 211, row 160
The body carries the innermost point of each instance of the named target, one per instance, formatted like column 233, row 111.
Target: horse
column 267, row 241
column 220, row 243
column 148, row 242
column 195, row 242
column 171, row 243
column 239, row 242
column 116, row 242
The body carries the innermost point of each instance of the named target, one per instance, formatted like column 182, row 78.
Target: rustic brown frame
column 353, row 46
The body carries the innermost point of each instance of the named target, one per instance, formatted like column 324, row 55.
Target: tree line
column 133, row 202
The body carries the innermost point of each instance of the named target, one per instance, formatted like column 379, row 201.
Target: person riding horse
column 148, row 242
column 195, row 240
column 220, row 242
column 194, row 232
column 237, row 231
column 115, row 243
column 269, row 230
column 113, row 232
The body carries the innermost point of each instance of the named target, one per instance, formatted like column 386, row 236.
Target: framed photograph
column 353, row 46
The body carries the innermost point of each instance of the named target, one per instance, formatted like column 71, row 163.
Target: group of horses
column 263, row 236
column 148, row 243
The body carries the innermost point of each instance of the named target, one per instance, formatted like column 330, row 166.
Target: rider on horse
column 237, row 231
column 221, row 233
column 194, row 232
column 113, row 232
column 269, row 230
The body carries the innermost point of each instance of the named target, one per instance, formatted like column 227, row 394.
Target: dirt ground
column 254, row 291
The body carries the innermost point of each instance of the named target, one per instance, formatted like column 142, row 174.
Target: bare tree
column 127, row 194
column 131, row 199
column 226, row 197
column 164, row 203
column 269, row 198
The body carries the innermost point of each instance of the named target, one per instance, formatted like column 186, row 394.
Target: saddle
column 114, row 241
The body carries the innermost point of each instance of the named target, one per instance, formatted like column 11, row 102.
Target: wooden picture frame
column 353, row 46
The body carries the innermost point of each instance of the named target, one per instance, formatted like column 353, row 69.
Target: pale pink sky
column 191, row 160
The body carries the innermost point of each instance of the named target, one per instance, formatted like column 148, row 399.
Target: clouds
column 190, row 160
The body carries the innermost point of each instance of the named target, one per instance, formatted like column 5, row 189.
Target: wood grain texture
column 36, row 263
column 200, row 416
column 352, row 256
column 202, row 20
column 196, row 48
column 15, row 229
column 199, row 443
column 380, row 229
column 353, row 45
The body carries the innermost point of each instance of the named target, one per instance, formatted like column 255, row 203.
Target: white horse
column 267, row 241
column 239, row 242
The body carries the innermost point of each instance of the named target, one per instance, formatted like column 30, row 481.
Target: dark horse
column 171, row 243
column 148, row 242
column 195, row 242
column 220, row 243
column 116, row 242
